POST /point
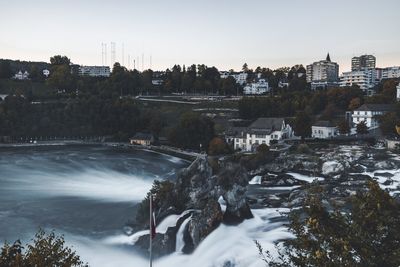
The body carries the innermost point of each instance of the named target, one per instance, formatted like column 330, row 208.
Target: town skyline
column 260, row 33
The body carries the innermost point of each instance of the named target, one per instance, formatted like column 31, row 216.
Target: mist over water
column 88, row 193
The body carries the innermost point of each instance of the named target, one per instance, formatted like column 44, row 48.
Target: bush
column 368, row 234
column 218, row 146
column 46, row 250
column 303, row 149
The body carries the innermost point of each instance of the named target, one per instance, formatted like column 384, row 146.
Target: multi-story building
column 256, row 88
column 363, row 62
column 261, row 131
column 323, row 74
column 370, row 113
column 365, row 79
column 94, row 71
column 391, row 72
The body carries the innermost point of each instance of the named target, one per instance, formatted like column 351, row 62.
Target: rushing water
column 88, row 193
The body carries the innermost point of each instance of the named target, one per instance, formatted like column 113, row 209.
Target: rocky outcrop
column 200, row 186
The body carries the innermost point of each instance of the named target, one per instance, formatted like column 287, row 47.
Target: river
column 89, row 192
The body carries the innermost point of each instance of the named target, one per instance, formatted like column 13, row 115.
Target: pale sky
column 221, row 33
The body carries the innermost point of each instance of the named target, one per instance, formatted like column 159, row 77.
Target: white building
column 261, row 131
column 365, row 79
column 240, row 78
column 46, row 73
column 94, row 71
column 224, row 74
column 21, row 76
column 257, row 88
column 370, row 113
column 323, row 74
column 398, row 92
column 391, row 73
column 324, row 130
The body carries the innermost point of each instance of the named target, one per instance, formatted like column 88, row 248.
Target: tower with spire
column 323, row 74
column 328, row 58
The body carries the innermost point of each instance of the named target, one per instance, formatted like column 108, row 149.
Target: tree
column 60, row 60
column 355, row 103
column 192, row 132
column 344, row 127
column 245, row 67
column 218, row 146
column 367, row 234
column 35, row 74
column 388, row 122
column 362, row 128
column 61, row 78
column 229, row 86
column 5, row 69
column 302, row 125
column 46, row 250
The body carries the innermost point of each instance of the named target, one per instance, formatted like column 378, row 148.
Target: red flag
column 152, row 220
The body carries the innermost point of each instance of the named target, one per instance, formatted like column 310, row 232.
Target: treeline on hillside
column 75, row 117
column 194, row 79
column 116, row 118
column 327, row 104
column 9, row 67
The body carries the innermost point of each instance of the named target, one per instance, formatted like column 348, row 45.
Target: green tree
column 344, row 127
column 388, row 122
column 368, row 234
column 46, row 250
column 35, row 74
column 355, row 103
column 362, row 128
column 60, row 60
column 302, row 125
column 245, row 67
column 61, row 78
column 5, row 69
column 192, row 132
column 218, row 146
column 229, row 86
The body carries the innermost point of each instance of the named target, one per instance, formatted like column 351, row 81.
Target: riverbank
column 164, row 150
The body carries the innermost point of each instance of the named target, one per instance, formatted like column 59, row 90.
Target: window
column 257, row 142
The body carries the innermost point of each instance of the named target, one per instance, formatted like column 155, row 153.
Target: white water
column 226, row 243
column 256, row 180
column 101, row 185
column 305, row 178
column 180, row 243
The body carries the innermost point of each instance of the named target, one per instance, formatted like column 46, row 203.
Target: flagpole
column 151, row 230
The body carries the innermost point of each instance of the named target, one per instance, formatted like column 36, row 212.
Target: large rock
column 202, row 224
column 332, row 168
column 200, row 186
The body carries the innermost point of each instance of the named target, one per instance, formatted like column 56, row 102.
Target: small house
column 143, row 139
column 324, row 130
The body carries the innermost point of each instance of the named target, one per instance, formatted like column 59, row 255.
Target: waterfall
column 180, row 243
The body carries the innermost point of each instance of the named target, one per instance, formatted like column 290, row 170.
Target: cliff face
column 201, row 186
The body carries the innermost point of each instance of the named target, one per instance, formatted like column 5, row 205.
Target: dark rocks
column 281, row 179
column 199, row 187
column 204, row 222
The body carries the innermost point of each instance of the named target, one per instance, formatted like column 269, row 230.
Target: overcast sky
column 221, row 33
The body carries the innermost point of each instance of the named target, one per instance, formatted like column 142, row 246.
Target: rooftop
column 375, row 107
column 267, row 124
column 323, row 124
column 142, row 136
